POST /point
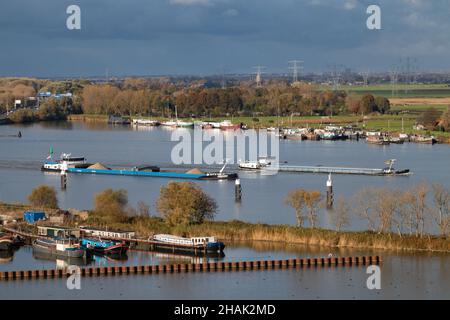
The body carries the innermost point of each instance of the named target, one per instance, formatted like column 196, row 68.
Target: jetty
column 388, row 171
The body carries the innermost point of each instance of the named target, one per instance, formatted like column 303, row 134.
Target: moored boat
column 193, row 244
column 146, row 122
column 379, row 140
column 64, row 248
column 228, row 125
column 6, row 242
column 423, row 139
column 103, row 247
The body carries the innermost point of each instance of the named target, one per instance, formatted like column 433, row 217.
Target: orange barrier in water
column 196, row 267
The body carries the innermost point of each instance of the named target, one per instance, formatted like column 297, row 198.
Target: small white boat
column 254, row 165
column 170, row 123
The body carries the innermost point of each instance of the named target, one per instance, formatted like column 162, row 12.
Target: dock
column 151, row 244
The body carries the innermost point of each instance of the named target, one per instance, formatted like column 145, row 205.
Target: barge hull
column 174, row 175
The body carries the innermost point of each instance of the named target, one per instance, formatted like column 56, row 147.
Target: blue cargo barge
column 160, row 174
column 70, row 164
column 175, row 175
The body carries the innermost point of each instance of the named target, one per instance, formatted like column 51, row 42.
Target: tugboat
column 221, row 175
column 63, row 248
column 390, row 170
column 101, row 247
column 72, row 162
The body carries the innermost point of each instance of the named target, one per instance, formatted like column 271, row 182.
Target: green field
column 402, row 90
column 417, row 108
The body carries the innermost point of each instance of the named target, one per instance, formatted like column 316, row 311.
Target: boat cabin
column 116, row 234
column 58, row 232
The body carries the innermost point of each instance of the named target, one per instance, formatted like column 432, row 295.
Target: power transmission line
column 296, row 66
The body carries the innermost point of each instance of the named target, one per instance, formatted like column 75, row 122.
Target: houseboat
column 102, row 247
column 65, row 159
column 6, row 242
column 105, row 233
column 167, row 242
column 63, row 248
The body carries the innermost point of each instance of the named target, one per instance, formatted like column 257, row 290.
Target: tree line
column 414, row 211
column 158, row 97
column 243, row 100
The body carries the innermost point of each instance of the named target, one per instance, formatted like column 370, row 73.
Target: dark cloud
column 204, row 36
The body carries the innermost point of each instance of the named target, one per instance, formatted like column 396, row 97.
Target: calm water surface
column 404, row 276
column 20, row 160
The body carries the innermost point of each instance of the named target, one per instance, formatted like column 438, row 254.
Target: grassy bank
column 242, row 231
column 88, row 118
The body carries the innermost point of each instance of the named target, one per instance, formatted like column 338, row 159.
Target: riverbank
column 394, row 124
column 243, row 231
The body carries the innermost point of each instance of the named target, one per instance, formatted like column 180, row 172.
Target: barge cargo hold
column 388, row 171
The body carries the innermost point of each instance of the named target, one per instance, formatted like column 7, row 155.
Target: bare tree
column 312, row 202
column 386, row 208
column 296, row 200
column 340, row 215
column 416, row 209
column 363, row 207
column 441, row 197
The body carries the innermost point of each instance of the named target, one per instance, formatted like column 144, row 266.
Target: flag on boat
column 50, row 153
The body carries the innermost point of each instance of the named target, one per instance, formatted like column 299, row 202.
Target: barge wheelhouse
column 65, row 159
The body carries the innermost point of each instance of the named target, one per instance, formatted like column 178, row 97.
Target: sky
column 204, row 37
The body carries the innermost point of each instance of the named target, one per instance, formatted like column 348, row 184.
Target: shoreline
column 283, row 234
column 268, row 122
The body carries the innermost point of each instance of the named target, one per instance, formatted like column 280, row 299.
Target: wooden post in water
column 238, row 190
column 330, row 196
column 64, row 176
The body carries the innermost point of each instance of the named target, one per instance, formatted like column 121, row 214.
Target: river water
column 263, row 196
column 403, row 276
column 408, row 276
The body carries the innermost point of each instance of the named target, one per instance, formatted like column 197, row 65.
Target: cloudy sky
column 153, row 37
